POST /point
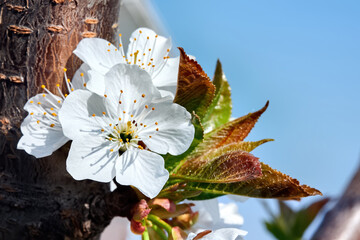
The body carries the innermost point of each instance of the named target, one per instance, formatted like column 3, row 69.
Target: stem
column 156, row 220
column 145, row 235
column 159, row 232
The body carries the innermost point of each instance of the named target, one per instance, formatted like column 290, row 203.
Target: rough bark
column 343, row 221
column 38, row 198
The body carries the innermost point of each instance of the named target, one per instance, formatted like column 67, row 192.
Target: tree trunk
column 38, row 198
column 343, row 221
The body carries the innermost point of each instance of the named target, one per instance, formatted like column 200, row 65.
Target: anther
column 168, row 50
column 68, row 80
column 31, row 101
column 84, row 84
column 54, row 114
column 102, row 130
column 43, row 86
column 37, row 121
column 108, row 50
column 105, row 95
column 64, row 69
column 120, row 102
column 43, row 95
column 140, row 31
column 32, row 113
column 153, row 109
column 131, row 115
column 149, row 136
column 121, row 91
column 148, row 38
column 110, row 124
column 109, row 44
column 135, row 101
column 52, row 125
column 157, row 129
column 143, row 95
column 39, row 103
column 156, row 123
column 144, row 125
column 72, row 89
column 124, row 112
column 119, row 34
column 59, row 101
column 94, row 115
column 65, row 95
column 58, row 85
column 111, row 150
column 52, row 109
column 119, row 119
column 134, row 39
column 146, row 106
column 81, row 74
column 103, row 113
column 44, row 113
column 120, row 45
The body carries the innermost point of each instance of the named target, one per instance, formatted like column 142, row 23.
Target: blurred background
column 303, row 56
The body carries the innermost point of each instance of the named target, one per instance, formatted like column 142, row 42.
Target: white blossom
column 123, row 132
column 223, row 219
column 146, row 50
column 221, row 234
column 41, row 129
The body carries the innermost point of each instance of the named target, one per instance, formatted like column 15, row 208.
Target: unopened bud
column 137, row 227
column 141, row 210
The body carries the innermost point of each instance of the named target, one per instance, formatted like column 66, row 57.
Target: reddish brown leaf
column 234, row 131
column 272, row 184
column 195, row 91
column 223, row 165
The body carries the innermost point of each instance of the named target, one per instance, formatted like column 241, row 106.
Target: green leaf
column 172, row 161
column 290, row 224
column 194, row 91
column 272, row 184
column 219, row 111
column 226, row 164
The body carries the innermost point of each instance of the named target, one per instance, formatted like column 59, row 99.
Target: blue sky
column 304, row 57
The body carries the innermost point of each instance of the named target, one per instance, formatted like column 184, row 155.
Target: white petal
column 175, row 130
column 94, row 52
column 96, row 82
column 91, row 158
column 230, row 216
column 134, row 82
column 166, row 79
column 158, row 45
column 40, row 142
column 42, row 133
column 142, row 169
column 76, row 115
column 222, row 234
column 78, row 80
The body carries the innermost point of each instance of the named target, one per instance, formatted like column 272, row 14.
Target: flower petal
column 142, row 169
column 170, row 128
column 40, row 140
column 79, row 81
column 96, row 82
column 135, row 83
column 91, row 159
column 76, row 115
column 156, row 47
column 166, row 79
column 42, row 133
column 221, row 234
column 98, row 54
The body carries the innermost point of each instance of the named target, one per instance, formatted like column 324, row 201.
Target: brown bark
column 343, row 221
column 38, row 198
